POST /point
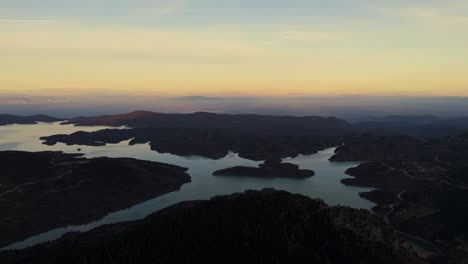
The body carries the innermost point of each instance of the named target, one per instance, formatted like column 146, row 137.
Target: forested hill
column 254, row 227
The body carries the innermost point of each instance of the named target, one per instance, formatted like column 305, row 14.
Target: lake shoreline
column 47, row 190
column 325, row 184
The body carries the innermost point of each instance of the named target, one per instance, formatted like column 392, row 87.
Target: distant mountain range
column 416, row 126
column 351, row 108
column 424, row 126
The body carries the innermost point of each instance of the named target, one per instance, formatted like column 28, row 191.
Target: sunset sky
column 243, row 47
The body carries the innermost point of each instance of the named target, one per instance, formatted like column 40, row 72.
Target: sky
column 234, row 47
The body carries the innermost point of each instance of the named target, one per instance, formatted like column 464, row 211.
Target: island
column 269, row 169
column 40, row 191
column 265, row 226
column 25, row 120
column 254, row 137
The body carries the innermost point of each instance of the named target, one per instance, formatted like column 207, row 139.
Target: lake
column 325, row 184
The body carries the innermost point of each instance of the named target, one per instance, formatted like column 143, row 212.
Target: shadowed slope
column 45, row 190
column 254, row 227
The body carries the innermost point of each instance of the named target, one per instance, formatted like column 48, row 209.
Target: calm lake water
column 325, row 185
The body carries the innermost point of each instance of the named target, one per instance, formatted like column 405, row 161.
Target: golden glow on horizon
column 429, row 57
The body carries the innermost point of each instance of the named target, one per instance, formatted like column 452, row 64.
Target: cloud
column 437, row 16
column 309, row 36
column 21, row 21
column 169, row 7
column 205, row 44
column 128, row 43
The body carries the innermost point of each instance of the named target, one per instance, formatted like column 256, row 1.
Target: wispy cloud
column 168, row 7
column 26, row 21
column 448, row 16
column 309, row 36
